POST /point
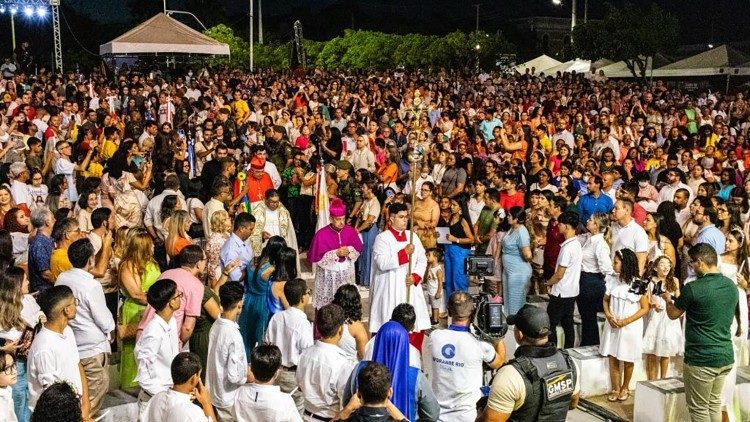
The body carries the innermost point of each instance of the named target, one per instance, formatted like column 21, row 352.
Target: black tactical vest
column 549, row 376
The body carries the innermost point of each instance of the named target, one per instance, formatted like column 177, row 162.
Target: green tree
column 239, row 50
column 631, row 34
column 371, row 50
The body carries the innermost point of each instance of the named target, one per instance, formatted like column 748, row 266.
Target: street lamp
column 477, row 47
column 13, row 10
column 574, row 14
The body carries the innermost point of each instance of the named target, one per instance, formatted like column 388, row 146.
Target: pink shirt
column 190, row 304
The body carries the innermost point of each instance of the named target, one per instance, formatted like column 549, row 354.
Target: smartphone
column 181, row 133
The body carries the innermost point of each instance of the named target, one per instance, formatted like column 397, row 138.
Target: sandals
column 624, row 395
column 613, row 396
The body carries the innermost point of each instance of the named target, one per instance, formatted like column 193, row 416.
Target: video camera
column 489, row 319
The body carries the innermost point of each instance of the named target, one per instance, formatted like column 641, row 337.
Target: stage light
column 13, row 10
column 41, row 12
column 28, row 11
column 2, row 9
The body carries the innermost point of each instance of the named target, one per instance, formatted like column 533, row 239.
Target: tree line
column 371, row 50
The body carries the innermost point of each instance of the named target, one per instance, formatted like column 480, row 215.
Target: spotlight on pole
column 557, row 2
column 13, row 10
column 41, row 12
column 2, row 9
column 28, row 11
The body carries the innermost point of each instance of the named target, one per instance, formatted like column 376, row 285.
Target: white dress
column 348, row 344
column 663, row 336
column 624, row 343
column 739, row 344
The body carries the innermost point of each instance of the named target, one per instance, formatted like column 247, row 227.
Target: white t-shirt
column 260, row 403
column 571, row 257
column 6, row 405
column 53, row 357
column 631, row 236
column 66, row 167
column 455, row 367
column 171, row 405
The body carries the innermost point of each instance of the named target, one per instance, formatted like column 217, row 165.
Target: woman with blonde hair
column 136, row 273
column 177, row 226
column 595, row 266
column 6, row 202
column 221, row 228
column 19, row 314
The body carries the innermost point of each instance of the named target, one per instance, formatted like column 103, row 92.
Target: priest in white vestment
column 272, row 219
column 390, row 280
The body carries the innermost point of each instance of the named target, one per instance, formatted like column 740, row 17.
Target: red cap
column 257, row 163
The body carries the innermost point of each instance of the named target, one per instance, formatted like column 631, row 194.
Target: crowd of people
column 162, row 222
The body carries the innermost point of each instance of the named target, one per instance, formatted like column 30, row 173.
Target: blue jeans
column 21, row 393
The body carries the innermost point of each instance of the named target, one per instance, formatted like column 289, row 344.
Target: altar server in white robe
column 390, row 280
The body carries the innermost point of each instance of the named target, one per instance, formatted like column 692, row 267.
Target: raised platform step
column 118, row 406
column 595, row 370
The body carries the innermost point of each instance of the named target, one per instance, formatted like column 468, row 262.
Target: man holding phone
column 68, row 168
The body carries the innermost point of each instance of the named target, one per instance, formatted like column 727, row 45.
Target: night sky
column 93, row 22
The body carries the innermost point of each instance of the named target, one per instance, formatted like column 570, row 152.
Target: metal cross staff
column 414, row 159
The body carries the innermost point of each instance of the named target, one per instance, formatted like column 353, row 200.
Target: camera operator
column 541, row 383
column 457, row 358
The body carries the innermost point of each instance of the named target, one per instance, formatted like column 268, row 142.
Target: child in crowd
column 7, row 379
column 434, row 277
column 663, row 337
column 226, row 367
column 158, row 344
column 624, row 307
column 291, row 329
column 263, row 399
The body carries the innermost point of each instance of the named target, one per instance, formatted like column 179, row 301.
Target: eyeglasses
column 10, row 369
column 179, row 294
column 75, row 302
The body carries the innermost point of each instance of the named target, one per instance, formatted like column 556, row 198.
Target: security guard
column 541, row 383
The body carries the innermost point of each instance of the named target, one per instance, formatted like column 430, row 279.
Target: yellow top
column 108, row 148
column 59, row 263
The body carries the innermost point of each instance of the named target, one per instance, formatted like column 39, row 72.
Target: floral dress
column 213, row 247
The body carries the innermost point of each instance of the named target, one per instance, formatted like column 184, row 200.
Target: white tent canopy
column 717, row 61
column 539, row 64
column 577, row 65
column 163, row 35
column 620, row 69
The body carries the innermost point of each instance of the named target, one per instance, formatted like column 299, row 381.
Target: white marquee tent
column 163, row 35
column 577, row 65
column 720, row 60
column 539, row 64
